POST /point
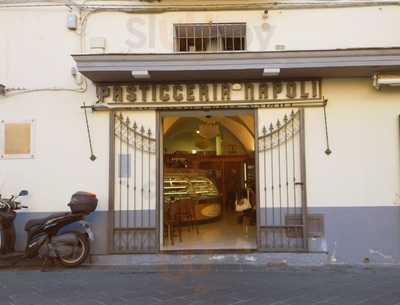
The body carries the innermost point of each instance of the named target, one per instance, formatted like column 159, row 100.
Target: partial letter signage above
column 273, row 94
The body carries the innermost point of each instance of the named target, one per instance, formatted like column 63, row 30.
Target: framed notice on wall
column 17, row 139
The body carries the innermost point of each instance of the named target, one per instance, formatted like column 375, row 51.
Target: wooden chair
column 173, row 221
column 188, row 213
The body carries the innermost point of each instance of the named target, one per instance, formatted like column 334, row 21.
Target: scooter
column 45, row 237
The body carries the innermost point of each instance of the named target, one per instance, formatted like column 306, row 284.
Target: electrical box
column 72, row 22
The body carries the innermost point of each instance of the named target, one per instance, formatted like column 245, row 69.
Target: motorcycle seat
column 39, row 221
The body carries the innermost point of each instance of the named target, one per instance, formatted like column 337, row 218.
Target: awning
column 111, row 68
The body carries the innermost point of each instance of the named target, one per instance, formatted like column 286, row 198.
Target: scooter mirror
column 23, row 193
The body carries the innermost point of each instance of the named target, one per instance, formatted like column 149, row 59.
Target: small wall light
column 236, row 87
column 140, row 74
column 271, row 72
column 380, row 80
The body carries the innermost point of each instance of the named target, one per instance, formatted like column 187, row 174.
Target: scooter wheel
column 80, row 255
column 7, row 239
column 2, row 242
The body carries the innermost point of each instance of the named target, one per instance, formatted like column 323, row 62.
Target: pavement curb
column 36, row 262
column 199, row 263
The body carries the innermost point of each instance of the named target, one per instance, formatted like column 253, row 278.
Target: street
column 202, row 286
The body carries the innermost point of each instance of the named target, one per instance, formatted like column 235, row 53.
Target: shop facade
column 325, row 124
column 139, row 198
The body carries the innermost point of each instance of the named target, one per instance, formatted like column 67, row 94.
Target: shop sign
column 277, row 93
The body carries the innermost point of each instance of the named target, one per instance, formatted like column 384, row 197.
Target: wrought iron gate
column 133, row 192
column 282, row 207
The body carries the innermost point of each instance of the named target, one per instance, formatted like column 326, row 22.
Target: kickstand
column 44, row 265
column 47, row 263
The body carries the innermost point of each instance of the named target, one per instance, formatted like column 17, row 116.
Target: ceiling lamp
column 202, row 144
column 209, row 130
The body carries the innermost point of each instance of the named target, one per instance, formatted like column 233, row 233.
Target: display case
column 189, row 184
column 196, row 185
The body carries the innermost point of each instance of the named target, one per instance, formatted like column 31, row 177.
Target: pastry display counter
column 195, row 185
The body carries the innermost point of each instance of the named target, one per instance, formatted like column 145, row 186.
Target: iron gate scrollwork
column 134, row 224
column 282, row 207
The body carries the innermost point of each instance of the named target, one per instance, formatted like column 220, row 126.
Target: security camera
column 265, row 15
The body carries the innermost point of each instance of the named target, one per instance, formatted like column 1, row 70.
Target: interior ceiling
column 241, row 127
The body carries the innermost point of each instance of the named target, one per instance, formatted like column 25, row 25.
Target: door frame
column 160, row 154
column 160, row 174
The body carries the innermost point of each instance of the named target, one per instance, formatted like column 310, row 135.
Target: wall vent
column 315, row 224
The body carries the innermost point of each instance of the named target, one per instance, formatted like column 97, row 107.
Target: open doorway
column 209, row 180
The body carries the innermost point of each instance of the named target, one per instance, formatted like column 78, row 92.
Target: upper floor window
column 210, row 37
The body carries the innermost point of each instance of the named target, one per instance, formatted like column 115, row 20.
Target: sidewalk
column 120, row 285
column 237, row 261
column 212, row 261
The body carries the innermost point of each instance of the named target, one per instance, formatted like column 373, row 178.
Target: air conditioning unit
column 391, row 80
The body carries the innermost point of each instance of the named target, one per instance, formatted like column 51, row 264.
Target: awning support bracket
column 328, row 150
column 92, row 155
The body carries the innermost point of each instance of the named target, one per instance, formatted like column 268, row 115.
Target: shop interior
column 209, row 199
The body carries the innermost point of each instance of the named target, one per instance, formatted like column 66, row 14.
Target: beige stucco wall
column 364, row 133
column 306, row 29
column 35, row 49
column 61, row 162
column 363, row 169
column 363, row 125
column 33, row 39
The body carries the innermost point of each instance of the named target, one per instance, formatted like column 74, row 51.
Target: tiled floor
column 226, row 233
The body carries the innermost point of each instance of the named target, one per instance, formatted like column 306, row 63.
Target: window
column 210, row 37
column 16, row 139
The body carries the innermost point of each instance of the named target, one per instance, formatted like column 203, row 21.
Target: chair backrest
column 188, row 206
column 183, row 205
column 173, row 212
column 177, row 211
